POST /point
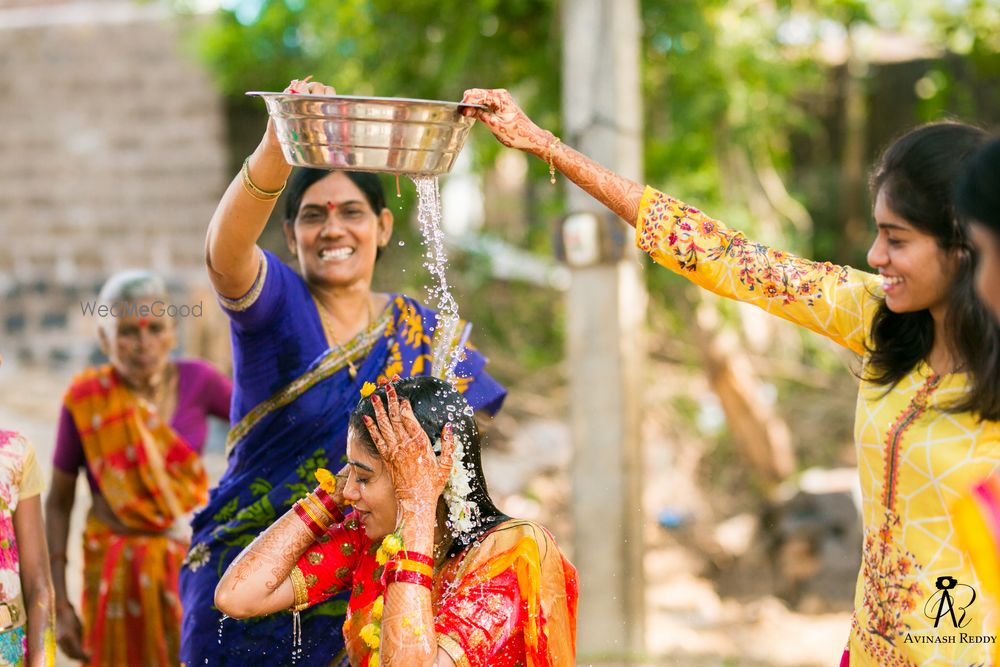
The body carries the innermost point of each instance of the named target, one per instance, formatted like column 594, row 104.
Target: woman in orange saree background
column 437, row 574
column 136, row 426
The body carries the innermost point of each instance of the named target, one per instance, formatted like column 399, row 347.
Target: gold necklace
column 324, row 317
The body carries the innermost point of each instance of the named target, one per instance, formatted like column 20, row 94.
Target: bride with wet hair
column 437, row 574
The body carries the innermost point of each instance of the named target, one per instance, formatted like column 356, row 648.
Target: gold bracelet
column 251, row 187
column 548, row 158
column 300, row 590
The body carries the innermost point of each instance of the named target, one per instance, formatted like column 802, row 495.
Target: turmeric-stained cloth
column 914, row 458
column 510, row 599
column 151, row 478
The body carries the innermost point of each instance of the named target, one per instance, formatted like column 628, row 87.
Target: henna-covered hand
column 507, row 121
column 514, row 129
column 418, row 476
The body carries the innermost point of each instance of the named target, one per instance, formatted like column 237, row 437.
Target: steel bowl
column 384, row 134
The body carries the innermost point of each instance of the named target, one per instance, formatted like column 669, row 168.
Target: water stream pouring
column 418, row 138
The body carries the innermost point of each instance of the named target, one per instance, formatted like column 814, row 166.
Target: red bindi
column 330, row 205
column 143, row 323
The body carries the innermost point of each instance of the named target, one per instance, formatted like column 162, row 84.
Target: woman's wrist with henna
column 541, row 142
column 417, row 528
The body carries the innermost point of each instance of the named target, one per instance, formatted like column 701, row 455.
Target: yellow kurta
column 914, row 459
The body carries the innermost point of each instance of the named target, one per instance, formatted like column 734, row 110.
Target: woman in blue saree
column 303, row 348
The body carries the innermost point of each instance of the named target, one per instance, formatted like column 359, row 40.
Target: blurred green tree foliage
column 744, row 107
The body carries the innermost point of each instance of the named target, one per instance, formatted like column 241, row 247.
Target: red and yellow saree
column 507, row 600
column 150, row 478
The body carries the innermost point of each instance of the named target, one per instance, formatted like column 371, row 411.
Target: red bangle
column 329, row 503
column 316, row 529
column 410, row 577
column 414, row 556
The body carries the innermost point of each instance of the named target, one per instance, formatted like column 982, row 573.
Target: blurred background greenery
column 766, row 114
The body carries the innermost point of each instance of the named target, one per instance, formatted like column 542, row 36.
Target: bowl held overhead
column 383, row 134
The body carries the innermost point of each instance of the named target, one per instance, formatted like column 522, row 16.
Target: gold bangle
column 251, row 187
column 300, row 590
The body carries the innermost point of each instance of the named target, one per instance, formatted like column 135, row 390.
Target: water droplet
column 402, row 243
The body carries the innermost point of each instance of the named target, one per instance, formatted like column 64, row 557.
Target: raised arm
column 231, row 251
column 407, row 635
column 515, row 130
column 260, row 581
column 835, row 301
column 257, row 583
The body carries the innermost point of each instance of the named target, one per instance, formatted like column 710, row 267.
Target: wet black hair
column 917, row 174
column 977, row 194
column 436, row 403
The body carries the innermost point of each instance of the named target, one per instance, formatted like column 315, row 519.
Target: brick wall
column 113, row 155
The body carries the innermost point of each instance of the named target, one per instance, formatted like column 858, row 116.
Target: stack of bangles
column 318, row 511
column 410, row 567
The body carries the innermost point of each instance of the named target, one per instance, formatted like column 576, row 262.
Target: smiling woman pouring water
column 304, row 344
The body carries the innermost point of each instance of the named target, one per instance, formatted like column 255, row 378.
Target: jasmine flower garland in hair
column 463, row 514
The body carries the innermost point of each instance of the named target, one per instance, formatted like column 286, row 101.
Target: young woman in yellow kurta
column 926, row 426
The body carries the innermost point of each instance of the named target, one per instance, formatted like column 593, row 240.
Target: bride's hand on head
column 507, row 121
column 418, row 476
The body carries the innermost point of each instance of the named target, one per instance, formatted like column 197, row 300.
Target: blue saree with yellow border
column 292, row 396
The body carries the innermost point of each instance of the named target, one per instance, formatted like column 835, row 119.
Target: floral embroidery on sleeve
column 835, row 301
column 691, row 237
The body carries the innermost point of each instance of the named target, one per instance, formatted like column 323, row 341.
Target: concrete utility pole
column 602, row 118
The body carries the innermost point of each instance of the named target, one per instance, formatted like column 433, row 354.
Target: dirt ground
column 688, row 623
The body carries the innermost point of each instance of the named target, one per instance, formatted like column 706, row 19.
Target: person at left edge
column 304, row 344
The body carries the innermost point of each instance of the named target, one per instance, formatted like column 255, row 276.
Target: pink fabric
column 845, row 660
column 202, row 391
column 988, row 499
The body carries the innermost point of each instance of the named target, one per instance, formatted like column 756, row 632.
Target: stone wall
column 113, row 156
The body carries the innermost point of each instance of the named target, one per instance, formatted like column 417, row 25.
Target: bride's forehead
column 358, row 452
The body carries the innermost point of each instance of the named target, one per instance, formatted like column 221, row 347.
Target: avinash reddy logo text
column 950, row 608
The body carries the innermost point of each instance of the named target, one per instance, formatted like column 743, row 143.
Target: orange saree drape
column 150, row 478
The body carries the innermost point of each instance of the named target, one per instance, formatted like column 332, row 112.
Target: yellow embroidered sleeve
column 836, row 301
